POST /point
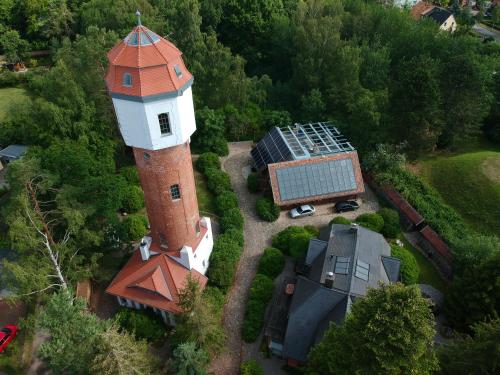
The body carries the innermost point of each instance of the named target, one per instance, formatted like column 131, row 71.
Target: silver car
column 305, row 210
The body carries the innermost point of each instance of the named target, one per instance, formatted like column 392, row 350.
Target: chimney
column 144, row 247
column 354, row 227
column 329, row 279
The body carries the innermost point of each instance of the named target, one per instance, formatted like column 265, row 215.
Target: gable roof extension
column 13, row 152
column 155, row 282
column 419, row 9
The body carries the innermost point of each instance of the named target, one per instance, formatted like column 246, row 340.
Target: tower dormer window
column 164, row 122
column 175, row 192
column 178, row 71
column 127, row 80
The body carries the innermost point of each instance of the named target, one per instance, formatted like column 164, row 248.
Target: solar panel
column 271, row 149
column 332, row 176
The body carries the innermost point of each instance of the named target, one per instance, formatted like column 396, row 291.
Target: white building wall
column 140, row 127
column 199, row 259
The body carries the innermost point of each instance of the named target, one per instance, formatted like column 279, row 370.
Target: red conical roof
column 154, row 64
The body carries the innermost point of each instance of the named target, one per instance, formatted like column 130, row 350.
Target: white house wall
column 133, row 123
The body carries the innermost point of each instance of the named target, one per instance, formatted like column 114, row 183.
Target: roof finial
column 138, row 15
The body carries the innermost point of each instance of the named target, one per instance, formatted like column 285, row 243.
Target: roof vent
column 354, row 227
column 329, row 279
column 144, row 248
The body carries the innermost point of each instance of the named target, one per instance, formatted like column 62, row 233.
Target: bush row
column 386, row 221
column 409, row 266
column 267, row 209
column 294, row 240
column 228, row 246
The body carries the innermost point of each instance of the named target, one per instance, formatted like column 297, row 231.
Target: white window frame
column 169, row 124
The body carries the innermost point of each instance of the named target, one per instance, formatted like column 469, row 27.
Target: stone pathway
column 258, row 234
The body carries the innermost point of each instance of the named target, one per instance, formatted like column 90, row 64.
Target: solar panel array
column 271, row 149
column 304, row 181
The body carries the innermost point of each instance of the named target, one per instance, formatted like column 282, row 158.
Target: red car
column 7, row 334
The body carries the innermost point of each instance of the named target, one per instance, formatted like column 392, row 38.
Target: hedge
column 130, row 174
column 233, row 235
column 142, row 324
column 253, row 183
column 340, row 220
column 206, row 161
column 371, row 221
column 226, row 201
column 232, row 219
column 267, row 209
column 217, row 181
column 251, row 367
column 262, row 288
column 223, row 260
column 134, row 227
column 409, row 266
column 133, row 199
column 391, row 226
column 283, row 239
column 271, row 263
column 261, row 291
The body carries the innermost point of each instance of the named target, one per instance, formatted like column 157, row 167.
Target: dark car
column 344, row 206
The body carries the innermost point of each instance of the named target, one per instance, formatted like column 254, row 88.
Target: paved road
column 258, row 235
column 486, row 31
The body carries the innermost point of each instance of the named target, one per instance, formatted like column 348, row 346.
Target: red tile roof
column 420, row 9
column 155, row 283
column 151, row 61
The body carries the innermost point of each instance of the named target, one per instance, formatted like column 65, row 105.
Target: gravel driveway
column 258, row 235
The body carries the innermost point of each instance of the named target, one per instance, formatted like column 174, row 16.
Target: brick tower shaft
column 167, row 179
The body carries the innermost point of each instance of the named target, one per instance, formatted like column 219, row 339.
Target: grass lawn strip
column 10, row 96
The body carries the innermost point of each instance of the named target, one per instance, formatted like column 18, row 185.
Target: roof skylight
column 342, row 265
column 362, row 270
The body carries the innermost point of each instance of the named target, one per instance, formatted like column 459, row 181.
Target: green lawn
column 470, row 183
column 10, row 96
column 205, row 198
column 428, row 274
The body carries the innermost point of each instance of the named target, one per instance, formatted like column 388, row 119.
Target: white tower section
column 140, row 120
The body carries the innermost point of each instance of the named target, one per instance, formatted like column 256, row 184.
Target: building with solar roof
column 308, row 163
column 339, row 268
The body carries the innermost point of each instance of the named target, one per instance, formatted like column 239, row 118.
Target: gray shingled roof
column 310, row 305
column 13, row 151
column 321, row 178
column 313, row 305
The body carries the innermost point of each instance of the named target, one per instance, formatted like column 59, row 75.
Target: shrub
column 254, row 320
column 391, row 222
column 133, row 199
column 142, row 324
column 223, row 262
column 267, row 209
column 226, row 201
column 251, row 367
column 371, row 221
column 220, row 147
column 235, row 235
column 312, row 230
column 272, row 262
column 409, row 266
column 262, row 288
column 232, row 219
column 217, row 181
column 208, row 160
column 299, row 244
column 253, row 183
column 134, row 227
column 130, row 174
column 340, row 220
column 215, row 297
column 281, row 240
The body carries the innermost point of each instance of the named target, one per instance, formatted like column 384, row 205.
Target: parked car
column 344, row 206
column 7, row 334
column 305, row 210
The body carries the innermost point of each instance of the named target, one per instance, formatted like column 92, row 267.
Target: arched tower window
column 175, row 192
column 127, row 80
